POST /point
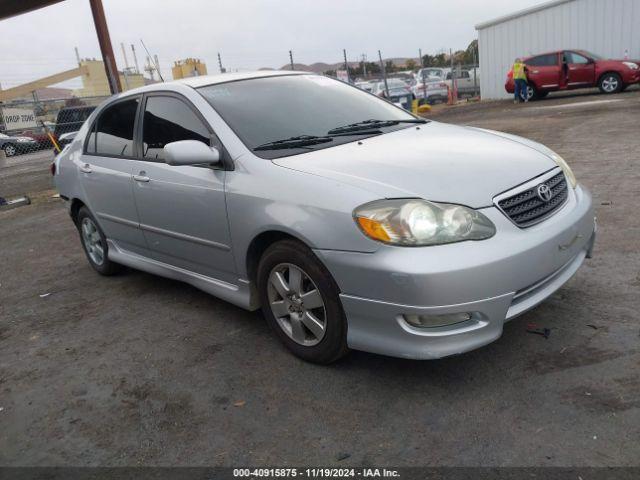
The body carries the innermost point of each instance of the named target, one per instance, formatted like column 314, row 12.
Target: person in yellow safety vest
column 520, row 81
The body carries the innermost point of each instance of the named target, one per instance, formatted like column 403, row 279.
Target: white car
column 366, row 86
column 392, row 84
column 431, row 90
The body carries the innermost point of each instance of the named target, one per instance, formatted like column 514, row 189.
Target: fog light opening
column 442, row 320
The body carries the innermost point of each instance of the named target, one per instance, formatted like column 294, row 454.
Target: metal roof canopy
column 521, row 13
column 11, row 8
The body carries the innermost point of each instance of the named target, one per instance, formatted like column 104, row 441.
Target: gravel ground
column 140, row 370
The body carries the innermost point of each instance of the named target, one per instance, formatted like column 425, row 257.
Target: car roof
column 204, row 80
column 543, row 53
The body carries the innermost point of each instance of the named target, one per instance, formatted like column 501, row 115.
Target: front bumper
column 495, row 280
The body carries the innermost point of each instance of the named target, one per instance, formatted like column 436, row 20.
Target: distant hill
column 320, row 67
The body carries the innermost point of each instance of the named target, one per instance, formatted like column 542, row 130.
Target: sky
column 248, row 34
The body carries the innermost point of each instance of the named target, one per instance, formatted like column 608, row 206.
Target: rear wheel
column 9, row 150
column 94, row 244
column 610, row 83
column 301, row 304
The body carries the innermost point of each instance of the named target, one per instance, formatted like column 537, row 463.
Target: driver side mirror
column 190, row 152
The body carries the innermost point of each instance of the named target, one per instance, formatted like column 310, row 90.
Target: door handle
column 86, row 168
column 535, row 71
column 141, row 177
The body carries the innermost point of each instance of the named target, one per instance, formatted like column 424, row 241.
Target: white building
column 605, row 27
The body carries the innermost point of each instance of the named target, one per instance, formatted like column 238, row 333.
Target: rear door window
column 114, row 130
column 549, row 60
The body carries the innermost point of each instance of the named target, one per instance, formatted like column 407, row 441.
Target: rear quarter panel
column 67, row 179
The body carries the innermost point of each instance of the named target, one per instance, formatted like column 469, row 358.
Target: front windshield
column 268, row 109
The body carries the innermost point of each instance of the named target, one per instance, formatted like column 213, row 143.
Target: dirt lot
column 139, row 370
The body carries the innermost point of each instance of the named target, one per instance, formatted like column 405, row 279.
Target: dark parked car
column 16, row 145
column 70, row 119
column 572, row 69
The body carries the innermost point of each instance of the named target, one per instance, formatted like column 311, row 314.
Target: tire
column 540, row 95
column 9, row 150
column 610, row 82
column 284, row 308
column 93, row 241
column 532, row 93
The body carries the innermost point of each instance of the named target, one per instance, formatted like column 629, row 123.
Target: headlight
column 415, row 222
column 631, row 65
column 565, row 168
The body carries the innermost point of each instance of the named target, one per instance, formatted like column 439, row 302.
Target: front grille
column 527, row 208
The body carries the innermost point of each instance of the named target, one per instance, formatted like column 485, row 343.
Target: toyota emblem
column 544, row 192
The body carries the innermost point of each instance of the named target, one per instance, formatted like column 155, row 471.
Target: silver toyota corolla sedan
column 348, row 221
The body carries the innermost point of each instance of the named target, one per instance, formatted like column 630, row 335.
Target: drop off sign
column 18, row 118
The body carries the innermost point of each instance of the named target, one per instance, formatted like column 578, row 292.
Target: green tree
column 411, row 64
column 389, row 66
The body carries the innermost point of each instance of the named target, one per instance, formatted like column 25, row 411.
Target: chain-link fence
column 428, row 84
column 29, row 126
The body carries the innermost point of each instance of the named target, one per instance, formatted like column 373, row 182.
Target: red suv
column 571, row 69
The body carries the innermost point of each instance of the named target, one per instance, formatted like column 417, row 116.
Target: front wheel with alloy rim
column 300, row 302
column 9, row 150
column 531, row 93
column 610, row 83
column 94, row 244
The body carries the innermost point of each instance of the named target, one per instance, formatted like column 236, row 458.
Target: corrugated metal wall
column 604, row 27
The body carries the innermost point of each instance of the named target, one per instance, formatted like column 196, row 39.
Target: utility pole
column 384, row 74
column 106, row 49
column 364, row 65
column 291, row 58
column 454, row 89
column 475, row 73
column 77, row 55
column 346, row 65
column 424, row 80
column 222, row 70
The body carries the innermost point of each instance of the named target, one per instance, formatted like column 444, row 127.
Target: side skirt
column 239, row 295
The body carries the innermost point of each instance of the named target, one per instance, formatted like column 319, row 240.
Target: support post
column 384, row 74
column 106, row 49
column 346, row 65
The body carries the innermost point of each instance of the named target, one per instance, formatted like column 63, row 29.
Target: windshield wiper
column 372, row 124
column 294, row 142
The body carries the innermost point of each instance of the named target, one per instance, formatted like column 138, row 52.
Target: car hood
column 437, row 162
